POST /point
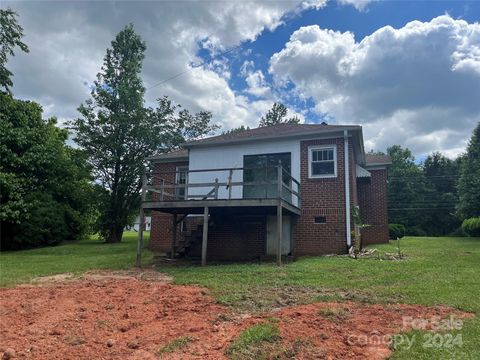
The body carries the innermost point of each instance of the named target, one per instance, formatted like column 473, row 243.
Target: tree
column 44, row 184
column 11, row 34
column 441, row 175
column 236, row 130
column 276, row 115
column 469, row 182
column 117, row 132
column 407, row 189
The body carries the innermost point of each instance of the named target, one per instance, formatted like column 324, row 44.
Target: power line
column 194, row 67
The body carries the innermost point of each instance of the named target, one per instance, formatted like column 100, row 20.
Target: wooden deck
column 233, row 206
column 175, row 198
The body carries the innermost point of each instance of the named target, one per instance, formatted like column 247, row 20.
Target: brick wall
column 323, row 197
column 235, row 238
column 230, row 237
column 161, row 230
column 372, row 196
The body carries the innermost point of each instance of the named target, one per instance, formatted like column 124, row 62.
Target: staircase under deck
column 177, row 200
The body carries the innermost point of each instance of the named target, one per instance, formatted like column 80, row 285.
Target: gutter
column 347, row 189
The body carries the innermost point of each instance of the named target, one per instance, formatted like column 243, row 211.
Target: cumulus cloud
column 67, row 43
column 418, row 85
column 358, row 4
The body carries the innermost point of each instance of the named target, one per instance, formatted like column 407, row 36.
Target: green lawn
column 436, row 271
column 75, row 257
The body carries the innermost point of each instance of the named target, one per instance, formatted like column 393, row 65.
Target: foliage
column 118, row 132
column 236, row 130
column 472, row 226
column 359, row 225
column 277, row 115
column 429, row 189
column 396, row 231
column 469, row 183
column 11, row 34
column 45, row 190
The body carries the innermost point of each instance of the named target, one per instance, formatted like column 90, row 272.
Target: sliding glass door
column 261, row 169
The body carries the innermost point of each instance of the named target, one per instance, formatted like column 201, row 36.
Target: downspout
column 347, row 189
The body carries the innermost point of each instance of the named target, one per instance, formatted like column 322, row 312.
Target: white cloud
column 358, row 4
column 67, row 43
column 418, row 85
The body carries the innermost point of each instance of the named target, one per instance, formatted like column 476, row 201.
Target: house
column 274, row 191
column 147, row 221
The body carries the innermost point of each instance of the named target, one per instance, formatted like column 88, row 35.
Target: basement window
column 320, row 220
column 322, row 161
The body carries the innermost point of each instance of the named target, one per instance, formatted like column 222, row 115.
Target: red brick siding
column 373, row 207
column 235, row 238
column 161, row 230
column 229, row 238
column 323, row 197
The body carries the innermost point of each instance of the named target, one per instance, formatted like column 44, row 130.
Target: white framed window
column 322, row 161
column 181, row 178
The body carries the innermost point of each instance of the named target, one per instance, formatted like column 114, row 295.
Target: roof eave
column 190, row 144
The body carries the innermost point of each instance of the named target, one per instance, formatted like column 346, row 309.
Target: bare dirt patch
column 132, row 315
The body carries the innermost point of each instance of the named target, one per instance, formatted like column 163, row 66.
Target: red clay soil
column 125, row 317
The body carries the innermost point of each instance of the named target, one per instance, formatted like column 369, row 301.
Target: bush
column 396, row 231
column 472, row 226
column 415, row 231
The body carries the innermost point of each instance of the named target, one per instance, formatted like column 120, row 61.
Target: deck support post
column 174, row 236
column 279, row 214
column 205, row 236
column 279, row 233
column 142, row 223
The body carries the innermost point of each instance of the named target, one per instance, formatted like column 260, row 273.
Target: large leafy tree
column 441, row 174
column 11, row 34
column 407, row 188
column 469, row 182
column 45, row 185
column 118, row 132
column 277, row 115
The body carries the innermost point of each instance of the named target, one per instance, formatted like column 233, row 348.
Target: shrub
column 472, row 226
column 415, row 231
column 396, row 231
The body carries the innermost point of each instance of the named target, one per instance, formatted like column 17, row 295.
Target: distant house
column 136, row 224
column 281, row 190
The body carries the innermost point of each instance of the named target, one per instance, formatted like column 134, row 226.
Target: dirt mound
column 130, row 316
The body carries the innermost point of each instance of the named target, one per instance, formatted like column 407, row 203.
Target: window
column 322, row 161
column 262, row 169
column 181, row 179
column 320, row 220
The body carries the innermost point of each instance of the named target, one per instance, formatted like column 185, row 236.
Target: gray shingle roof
column 173, row 155
column 280, row 130
column 374, row 159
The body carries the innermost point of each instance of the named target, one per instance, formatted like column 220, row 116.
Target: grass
column 73, row 257
column 436, row 271
column 175, row 344
column 334, row 314
column 253, row 342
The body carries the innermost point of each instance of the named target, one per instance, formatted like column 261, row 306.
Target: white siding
column 230, row 156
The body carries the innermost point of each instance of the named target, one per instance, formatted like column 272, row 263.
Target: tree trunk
column 115, row 234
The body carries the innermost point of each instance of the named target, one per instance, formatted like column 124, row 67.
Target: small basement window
column 322, row 161
column 320, row 220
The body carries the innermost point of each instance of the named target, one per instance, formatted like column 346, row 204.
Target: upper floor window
column 322, row 161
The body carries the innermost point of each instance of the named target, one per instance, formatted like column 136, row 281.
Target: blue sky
column 342, row 18
column 407, row 71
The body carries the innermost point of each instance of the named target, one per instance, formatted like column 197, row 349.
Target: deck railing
column 224, row 184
